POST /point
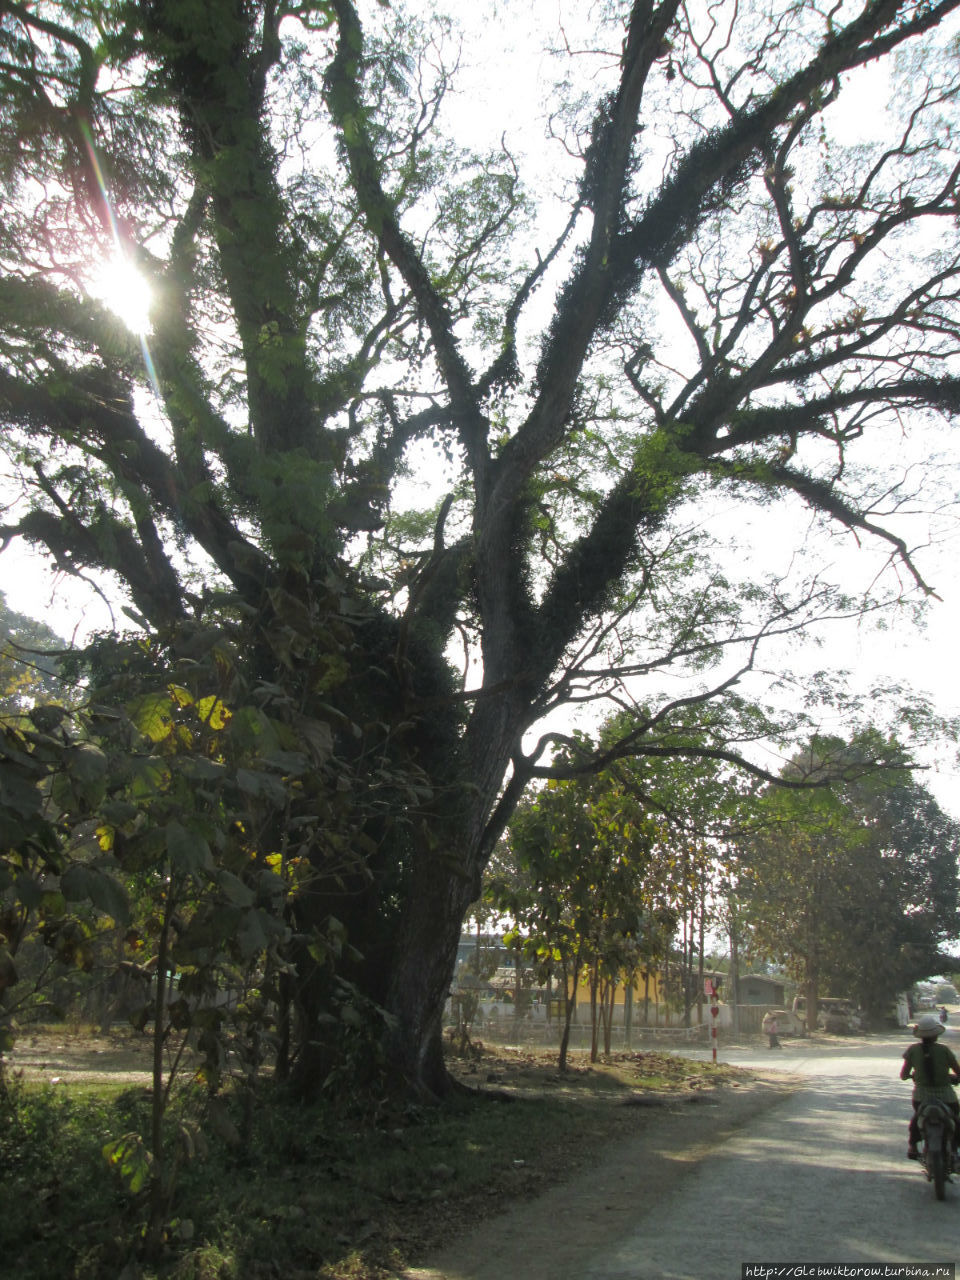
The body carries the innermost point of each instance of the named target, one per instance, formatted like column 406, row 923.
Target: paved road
column 823, row 1178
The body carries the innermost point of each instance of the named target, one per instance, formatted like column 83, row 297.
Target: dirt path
column 559, row 1233
column 64, row 1056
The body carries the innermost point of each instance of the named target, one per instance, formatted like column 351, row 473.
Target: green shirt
column 944, row 1063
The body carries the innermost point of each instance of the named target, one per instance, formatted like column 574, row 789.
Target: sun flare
column 121, row 287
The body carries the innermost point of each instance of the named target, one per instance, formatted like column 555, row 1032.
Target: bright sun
column 121, row 287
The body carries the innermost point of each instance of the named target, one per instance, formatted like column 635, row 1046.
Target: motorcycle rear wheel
column 938, row 1172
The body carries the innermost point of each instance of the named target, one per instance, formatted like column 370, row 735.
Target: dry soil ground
column 65, row 1056
column 557, row 1211
column 561, row 1231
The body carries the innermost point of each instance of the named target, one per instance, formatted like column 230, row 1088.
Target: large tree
column 732, row 300
column 855, row 886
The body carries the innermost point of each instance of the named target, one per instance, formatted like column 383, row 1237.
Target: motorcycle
column 938, row 1150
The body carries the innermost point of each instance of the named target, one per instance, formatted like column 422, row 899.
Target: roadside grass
column 328, row 1191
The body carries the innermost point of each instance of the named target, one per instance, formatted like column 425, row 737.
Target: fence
column 547, row 1035
column 505, row 1028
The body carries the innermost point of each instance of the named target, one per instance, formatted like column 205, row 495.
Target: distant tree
column 602, row 869
column 723, row 298
column 544, row 877
column 908, row 916
column 625, row 836
column 854, row 886
column 472, row 975
column 795, row 884
column 29, row 661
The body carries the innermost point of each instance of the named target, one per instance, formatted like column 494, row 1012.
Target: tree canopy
column 853, row 887
column 723, row 299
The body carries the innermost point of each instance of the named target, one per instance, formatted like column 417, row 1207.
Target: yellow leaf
column 213, row 712
column 183, row 697
column 151, row 715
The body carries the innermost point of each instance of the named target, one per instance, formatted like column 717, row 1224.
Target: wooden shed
column 757, row 988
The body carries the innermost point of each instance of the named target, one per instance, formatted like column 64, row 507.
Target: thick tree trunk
column 406, row 924
column 422, row 967
column 443, row 884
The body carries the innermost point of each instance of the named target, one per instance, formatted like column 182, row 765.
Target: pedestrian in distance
column 771, row 1027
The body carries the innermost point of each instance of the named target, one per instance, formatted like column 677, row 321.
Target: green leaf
column 290, row 762
column 30, row 892
column 19, row 794
column 251, row 936
column 85, row 883
column 202, row 770
column 117, row 812
column 86, row 763
column 319, row 737
column 251, row 730
column 255, row 783
column 130, row 1157
column 351, row 1016
column 234, row 889
column 188, row 852
column 149, row 777
column 47, row 716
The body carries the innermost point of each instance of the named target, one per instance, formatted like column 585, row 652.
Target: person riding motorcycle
column 934, row 1070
